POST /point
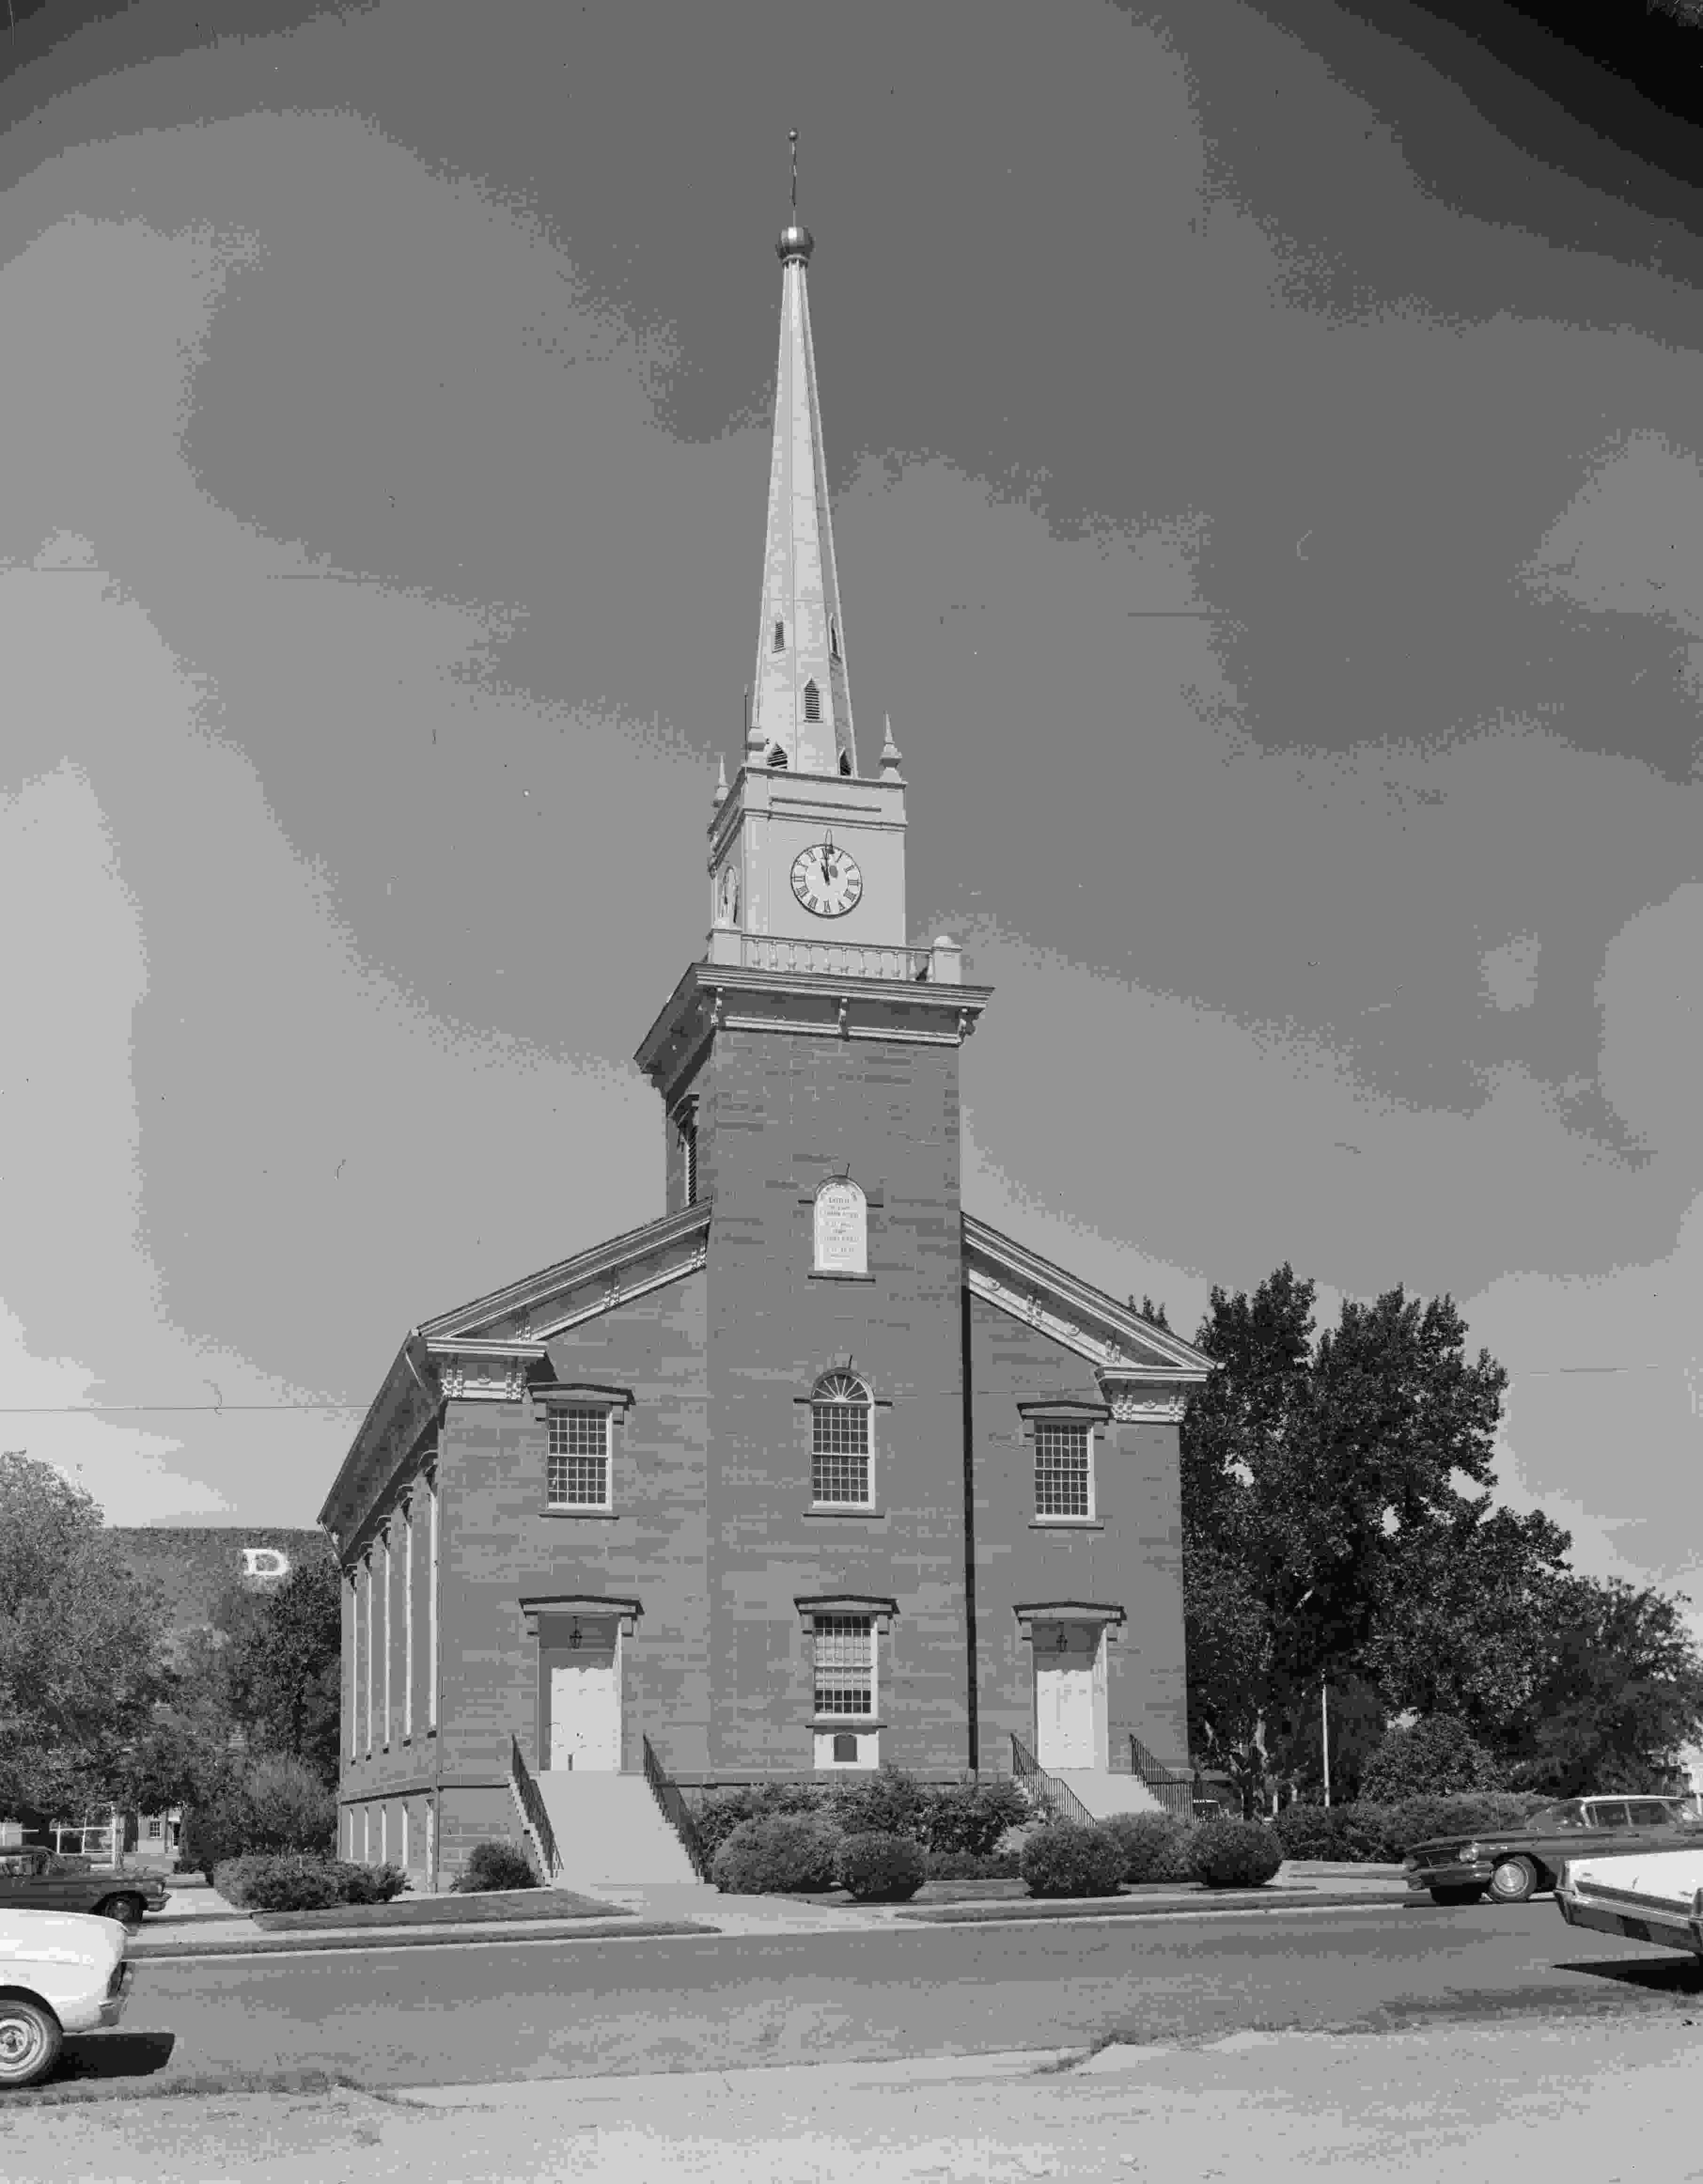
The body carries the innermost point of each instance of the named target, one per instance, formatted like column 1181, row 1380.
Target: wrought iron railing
column 1058, row 1798
column 1174, row 1787
column 672, row 1807
column 531, row 1803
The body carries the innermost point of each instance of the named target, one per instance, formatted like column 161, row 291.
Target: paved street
column 512, row 2011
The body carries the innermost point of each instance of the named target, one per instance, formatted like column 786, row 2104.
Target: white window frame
column 407, row 1517
column 864, row 1400
column 836, row 1618
column 1040, row 1422
column 568, row 1455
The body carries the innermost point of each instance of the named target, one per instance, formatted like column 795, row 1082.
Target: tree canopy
column 1338, row 1529
column 81, row 1664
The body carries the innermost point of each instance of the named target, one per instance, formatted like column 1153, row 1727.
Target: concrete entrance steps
column 608, row 1829
column 1105, row 1794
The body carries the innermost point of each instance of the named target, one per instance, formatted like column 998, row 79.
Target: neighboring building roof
column 194, row 1565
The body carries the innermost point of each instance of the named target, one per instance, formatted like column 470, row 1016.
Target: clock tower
column 806, row 846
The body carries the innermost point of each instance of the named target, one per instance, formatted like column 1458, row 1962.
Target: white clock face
column 825, row 880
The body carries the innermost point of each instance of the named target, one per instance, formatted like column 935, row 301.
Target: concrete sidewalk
column 1468, row 2104
column 196, row 1922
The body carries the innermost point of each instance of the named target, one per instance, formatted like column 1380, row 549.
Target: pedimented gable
column 1143, row 1370
column 520, row 1320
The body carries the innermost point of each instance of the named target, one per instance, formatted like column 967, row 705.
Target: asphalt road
column 516, row 2010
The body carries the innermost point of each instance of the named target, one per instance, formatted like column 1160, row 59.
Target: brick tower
column 808, row 1067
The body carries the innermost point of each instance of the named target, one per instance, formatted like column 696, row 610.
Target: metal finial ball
column 795, row 241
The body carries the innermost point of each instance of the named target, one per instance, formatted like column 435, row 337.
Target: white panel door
column 584, row 1717
column 1065, row 1695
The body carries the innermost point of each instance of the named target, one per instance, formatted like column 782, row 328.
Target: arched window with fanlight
column 839, row 1454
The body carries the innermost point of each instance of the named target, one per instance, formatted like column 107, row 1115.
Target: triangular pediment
column 530, row 1312
column 1114, row 1338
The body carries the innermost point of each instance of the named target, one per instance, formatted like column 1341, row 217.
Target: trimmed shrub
column 496, row 1864
column 971, row 1818
column 889, row 1801
column 289, row 1881
column 1174, row 1860
column 790, row 1854
column 1235, row 1853
column 1310, row 1832
column 965, row 1865
column 1439, row 1756
column 880, row 1868
column 297, row 1880
column 1066, row 1859
column 366, row 1884
column 1142, row 1837
column 719, row 1815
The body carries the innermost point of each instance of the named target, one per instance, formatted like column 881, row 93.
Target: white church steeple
column 800, row 714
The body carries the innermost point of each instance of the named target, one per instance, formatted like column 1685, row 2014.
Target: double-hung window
column 846, row 1665
column 1063, row 1467
column 840, row 1464
column 579, row 1458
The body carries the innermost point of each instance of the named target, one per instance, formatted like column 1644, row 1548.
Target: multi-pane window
column 839, row 1440
column 1061, row 1468
column 845, row 1664
column 579, row 1459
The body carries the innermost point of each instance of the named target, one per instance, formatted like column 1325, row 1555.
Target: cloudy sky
column 1269, row 503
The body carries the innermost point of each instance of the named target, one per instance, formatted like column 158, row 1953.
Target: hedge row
column 1381, row 1835
column 297, row 1880
column 961, row 1819
column 804, row 1853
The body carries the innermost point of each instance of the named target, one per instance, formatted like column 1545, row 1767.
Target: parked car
column 52, row 1881
column 1654, row 1897
column 1513, row 1863
column 60, row 1972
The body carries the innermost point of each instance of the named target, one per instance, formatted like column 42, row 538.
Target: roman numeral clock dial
column 826, row 880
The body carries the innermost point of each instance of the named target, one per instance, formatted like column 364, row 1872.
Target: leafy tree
column 81, row 1664
column 1308, row 1472
column 1466, row 1616
column 1435, row 1758
column 282, row 1668
column 1620, row 1695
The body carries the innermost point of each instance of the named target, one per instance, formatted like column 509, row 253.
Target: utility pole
column 1325, row 1731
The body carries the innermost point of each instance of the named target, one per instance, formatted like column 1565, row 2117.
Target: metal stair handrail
column 673, row 1808
column 530, row 1800
column 1059, row 1798
column 1175, row 1787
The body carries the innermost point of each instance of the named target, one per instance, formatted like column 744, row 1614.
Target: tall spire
column 801, row 703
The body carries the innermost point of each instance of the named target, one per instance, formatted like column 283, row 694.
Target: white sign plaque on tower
column 842, row 1229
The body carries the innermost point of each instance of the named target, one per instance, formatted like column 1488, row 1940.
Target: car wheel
column 29, row 2039
column 126, row 1910
column 1450, row 1895
column 1514, row 1880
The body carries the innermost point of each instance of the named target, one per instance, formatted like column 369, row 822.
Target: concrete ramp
column 1105, row 1794
column 608, row 1829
